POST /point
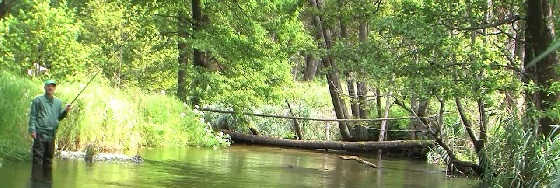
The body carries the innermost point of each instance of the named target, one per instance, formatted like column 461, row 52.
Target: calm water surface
column 236, row 166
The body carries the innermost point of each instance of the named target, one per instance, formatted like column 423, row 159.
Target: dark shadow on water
column 41, row 177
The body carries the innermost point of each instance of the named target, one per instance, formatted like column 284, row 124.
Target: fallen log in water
column 356, row 158
column 417, row 147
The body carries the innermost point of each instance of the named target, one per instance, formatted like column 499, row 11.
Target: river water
column 236, row 166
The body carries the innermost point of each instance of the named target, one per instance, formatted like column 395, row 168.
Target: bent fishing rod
column 89, row 82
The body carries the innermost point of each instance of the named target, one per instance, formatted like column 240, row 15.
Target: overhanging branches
column 509, row 20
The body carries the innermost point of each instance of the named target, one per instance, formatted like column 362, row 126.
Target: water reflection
column 237, row 166
column 41, row 176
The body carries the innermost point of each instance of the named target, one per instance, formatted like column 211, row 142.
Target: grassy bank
column 112, row 120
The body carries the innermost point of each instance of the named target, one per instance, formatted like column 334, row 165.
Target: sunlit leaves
column 46, row 36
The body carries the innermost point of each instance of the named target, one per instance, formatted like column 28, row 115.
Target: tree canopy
column 482, row 66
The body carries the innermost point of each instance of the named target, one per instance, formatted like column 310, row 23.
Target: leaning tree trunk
column 332, row 74
column 452, row 159
column 539, row 35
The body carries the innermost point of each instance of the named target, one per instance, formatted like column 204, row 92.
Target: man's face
column 49, row 89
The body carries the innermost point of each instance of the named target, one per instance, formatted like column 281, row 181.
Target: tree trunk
column 480, row 141
column 297, row 128
column 351, row 84
column 362, row 131
column 311, row 64
column 413, row 124
column 378, row 102
column 295, row 71
column 468, row 125
column 338, row 103
column 332, row 75
column 452, row 160
column 362, row 100
column 361, row 85
column 420, row 106
column 483, row 120
column 539, row 35
column 4, row 8
column 182, row 59
column 198, row 57
column 363, row 107
column 397, row 145
column 359, row 132
column 201, row 59
column 480, row 101
column 383, row 129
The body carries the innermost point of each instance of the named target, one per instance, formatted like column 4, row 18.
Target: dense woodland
column 479, row 77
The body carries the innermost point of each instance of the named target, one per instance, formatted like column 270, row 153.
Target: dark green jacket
column 44, row 116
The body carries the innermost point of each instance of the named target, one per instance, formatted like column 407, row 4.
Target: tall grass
column 15, row 99
column 519, row 159
column 110, row 119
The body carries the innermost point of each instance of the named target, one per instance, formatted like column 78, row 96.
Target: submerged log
column 416, row 146
column 356, row 158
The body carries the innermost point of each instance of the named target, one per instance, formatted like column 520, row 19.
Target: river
column 236, row 166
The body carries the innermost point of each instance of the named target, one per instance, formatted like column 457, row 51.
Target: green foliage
column 529, row 161
column 130, row 50
column 424, row 49
column 130, row 120
column 110, row 119
column 46, row 36
column 252, row 54
column 134, row 43
column 17, row 94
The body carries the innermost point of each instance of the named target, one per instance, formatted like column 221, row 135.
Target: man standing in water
column 46, row 112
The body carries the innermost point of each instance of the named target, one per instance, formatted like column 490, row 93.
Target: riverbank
column 113, row 120
column 108, row 157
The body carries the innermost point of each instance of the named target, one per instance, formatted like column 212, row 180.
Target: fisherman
column 46, row 112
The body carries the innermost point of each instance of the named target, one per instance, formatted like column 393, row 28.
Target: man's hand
column 33, row 135
column 68, row 107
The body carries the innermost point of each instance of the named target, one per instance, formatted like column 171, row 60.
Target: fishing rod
column 75, row 98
